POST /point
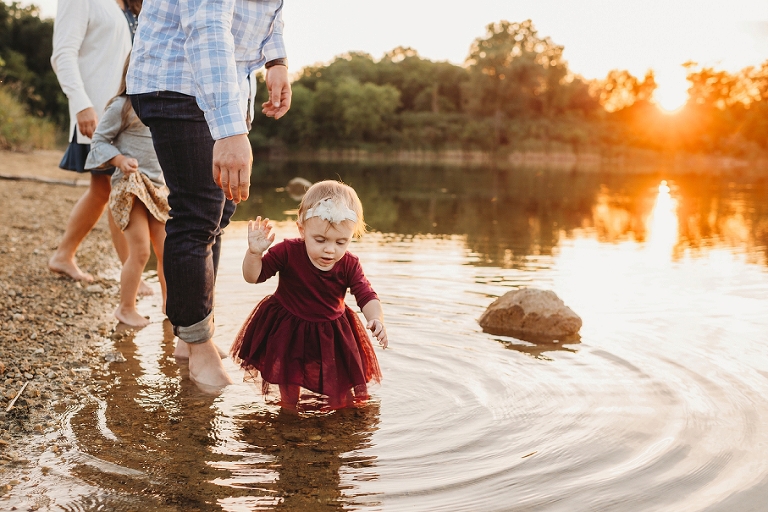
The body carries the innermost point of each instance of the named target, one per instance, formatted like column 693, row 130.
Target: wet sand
column 52, row 327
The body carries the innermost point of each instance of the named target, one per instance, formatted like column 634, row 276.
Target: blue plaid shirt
column 209, row 49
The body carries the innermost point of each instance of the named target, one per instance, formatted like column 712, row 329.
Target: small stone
column 290, row 436
column 94, row 288
column 114, row 357
column 18, row 317
column 28, row 376
column 315, row 437
column 33, row 336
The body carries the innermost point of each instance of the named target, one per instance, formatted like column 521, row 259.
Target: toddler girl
column 304, row 335
column 122, row 141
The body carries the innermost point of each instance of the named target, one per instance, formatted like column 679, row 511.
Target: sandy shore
column 53, row 329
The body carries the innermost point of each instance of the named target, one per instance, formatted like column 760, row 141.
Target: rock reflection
column 538, row 347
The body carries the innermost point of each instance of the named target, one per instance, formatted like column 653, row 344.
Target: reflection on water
column 660, row 406
column 509, row 216
column 662, row 225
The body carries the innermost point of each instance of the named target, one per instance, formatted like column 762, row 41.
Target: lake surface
column 661, row 406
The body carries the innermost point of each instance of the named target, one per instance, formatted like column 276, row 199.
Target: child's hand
column 259, row 237
column 379, row 332
column 129, row 165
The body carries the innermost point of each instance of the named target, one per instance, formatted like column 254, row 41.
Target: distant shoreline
column 614, row 160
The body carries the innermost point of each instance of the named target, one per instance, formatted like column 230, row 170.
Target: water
column 661, row 406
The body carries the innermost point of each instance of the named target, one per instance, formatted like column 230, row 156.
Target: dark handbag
column 75, row 155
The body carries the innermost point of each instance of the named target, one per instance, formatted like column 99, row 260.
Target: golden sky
column 598, row 35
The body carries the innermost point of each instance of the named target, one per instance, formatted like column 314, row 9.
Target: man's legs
column 199, row 211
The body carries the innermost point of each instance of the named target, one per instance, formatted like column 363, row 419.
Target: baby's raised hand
column 259, row 235
column 379, row 332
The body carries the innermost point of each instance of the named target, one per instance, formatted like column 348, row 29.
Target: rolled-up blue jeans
column 199, row 210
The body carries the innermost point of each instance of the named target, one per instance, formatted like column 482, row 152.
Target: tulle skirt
column 334, row 358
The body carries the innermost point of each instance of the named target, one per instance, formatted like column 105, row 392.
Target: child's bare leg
column 137, row 236
column 289, row 396
column 157, row 235
column 345, row 401
column 205, row 365
column 121, row 247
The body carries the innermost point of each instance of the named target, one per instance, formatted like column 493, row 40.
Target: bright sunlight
column 672, row 91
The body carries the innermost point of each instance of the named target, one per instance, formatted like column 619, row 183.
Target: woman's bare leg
column 84, row 215
column 137, row 236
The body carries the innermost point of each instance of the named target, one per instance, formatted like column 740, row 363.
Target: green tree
column 26, row 43
column 621, row 89
column 514, row 72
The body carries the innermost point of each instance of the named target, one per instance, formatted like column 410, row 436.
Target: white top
column 91, row 41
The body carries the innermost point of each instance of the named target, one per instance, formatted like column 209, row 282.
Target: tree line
column 515, row 92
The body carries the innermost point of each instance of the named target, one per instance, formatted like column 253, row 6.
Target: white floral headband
column 332, row 211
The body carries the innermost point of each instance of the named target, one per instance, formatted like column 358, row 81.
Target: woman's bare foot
column 69, row 268
column 182, row 350
column 205, row 367
column 131, row 317
column 144, row 290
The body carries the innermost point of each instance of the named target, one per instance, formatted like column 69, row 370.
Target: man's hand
column 279, row 89
column 87, row 121
column 232, row 160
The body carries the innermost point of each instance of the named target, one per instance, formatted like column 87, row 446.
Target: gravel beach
column 54, row 329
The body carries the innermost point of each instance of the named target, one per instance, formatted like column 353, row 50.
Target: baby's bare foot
column 69, row 268
column 131, row 317
column 144, row 289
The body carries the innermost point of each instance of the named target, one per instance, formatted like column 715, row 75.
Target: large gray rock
column 531, row 314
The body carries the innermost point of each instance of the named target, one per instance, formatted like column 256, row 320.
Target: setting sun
column 672, row 91
column 670, row 99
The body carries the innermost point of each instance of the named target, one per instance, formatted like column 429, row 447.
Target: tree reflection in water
column 509, row 215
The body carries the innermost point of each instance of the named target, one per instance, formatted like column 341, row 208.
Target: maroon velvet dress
column 304, row 334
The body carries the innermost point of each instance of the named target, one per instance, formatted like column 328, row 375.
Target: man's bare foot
column 131, row 317
column 205, row 367
column 182, row 350
column 69, row 268
column 144, row 289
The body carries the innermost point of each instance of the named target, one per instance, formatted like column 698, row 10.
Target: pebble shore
column 53, row 329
